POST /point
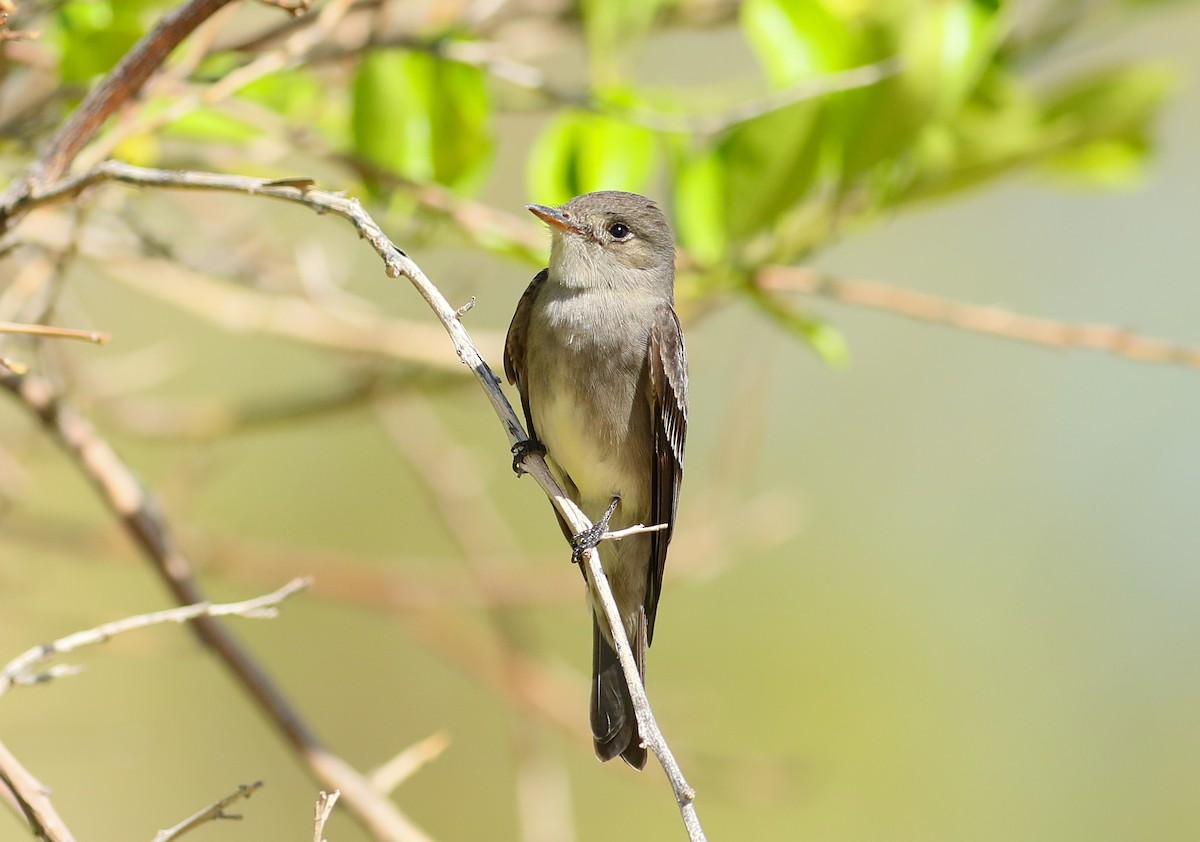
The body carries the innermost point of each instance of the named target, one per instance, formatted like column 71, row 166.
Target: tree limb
column 138, row 513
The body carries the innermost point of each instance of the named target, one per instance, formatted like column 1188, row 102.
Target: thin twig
column 20, row 670
column 321, row 813
column 54, row 332
column 213, row 812
column 139, row 514
column 408, row 762
column 636, row 529
column 33, row 799
column 994, row 321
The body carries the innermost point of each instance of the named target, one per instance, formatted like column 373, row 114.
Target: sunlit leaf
column 93, row 37
column 770, row 162
column 795, row 39
column 701, row 221
column 1102, row 163
column 821, row 336
column 581, row 152
column 614, row 27
column 421, row 116
column 211, row 125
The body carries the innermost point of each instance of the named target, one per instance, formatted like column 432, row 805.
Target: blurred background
column 928, row 584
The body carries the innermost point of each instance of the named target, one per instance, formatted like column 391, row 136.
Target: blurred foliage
column 958, row 104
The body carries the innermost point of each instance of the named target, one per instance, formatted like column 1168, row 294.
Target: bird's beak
column 556, row 219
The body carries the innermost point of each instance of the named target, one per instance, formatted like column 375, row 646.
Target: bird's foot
column 522, row 449
column 593, row 535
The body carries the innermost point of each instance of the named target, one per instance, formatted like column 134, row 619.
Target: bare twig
column 397, row 264
column 20, row 670
column 995, row 321
column 407, row 763
column 213, row 812
column 32, row 799
column 321, row 813
column 637, row 528
column 54, row 332
column 138, row 513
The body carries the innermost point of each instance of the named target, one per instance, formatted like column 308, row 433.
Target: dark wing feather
column 668, row 418
column 515, row 344
column 514, row 365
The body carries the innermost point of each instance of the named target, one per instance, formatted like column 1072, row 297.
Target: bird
column 597, row 354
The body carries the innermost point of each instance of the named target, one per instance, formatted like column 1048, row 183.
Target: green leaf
column 421, row 116
column 293, row 93
column 581, row 152
column 700, row 206
column 947, row 46
column 770, row 163
column 1117, row 102
column 1102, row 163
column 821, row 336
column 210, row 125
column 795, row 39
column 613, row 28
column 93, row 36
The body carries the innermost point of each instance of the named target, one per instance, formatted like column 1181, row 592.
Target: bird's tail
column 614, row 724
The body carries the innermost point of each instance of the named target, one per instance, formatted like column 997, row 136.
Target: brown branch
column 125, row 80
column 139, row 514
column 993, row 321
column 32, row 799
column 213, row 812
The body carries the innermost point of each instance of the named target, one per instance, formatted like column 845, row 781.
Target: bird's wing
column 515, row 343
column 668, row 418
column 514, row 366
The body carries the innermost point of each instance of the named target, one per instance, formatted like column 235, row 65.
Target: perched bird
column 596, row 352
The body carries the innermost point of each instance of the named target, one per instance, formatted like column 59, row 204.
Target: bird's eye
column 618, row 230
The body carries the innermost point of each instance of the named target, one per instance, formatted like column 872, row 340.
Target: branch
column 322, row 812
column 138, row 513
column 397, row 264
column 54, row 332
column 408, row 762
column 20, row 669
column 32, row 799
column 995, row 321
column 212, row 812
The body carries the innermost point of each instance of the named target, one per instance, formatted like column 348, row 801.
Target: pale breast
column 586, row 363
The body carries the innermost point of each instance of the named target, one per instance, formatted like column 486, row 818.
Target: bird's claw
column 522, row 449
column 591, row 537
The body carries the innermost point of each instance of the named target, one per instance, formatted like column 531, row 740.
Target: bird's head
column 609, row 238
